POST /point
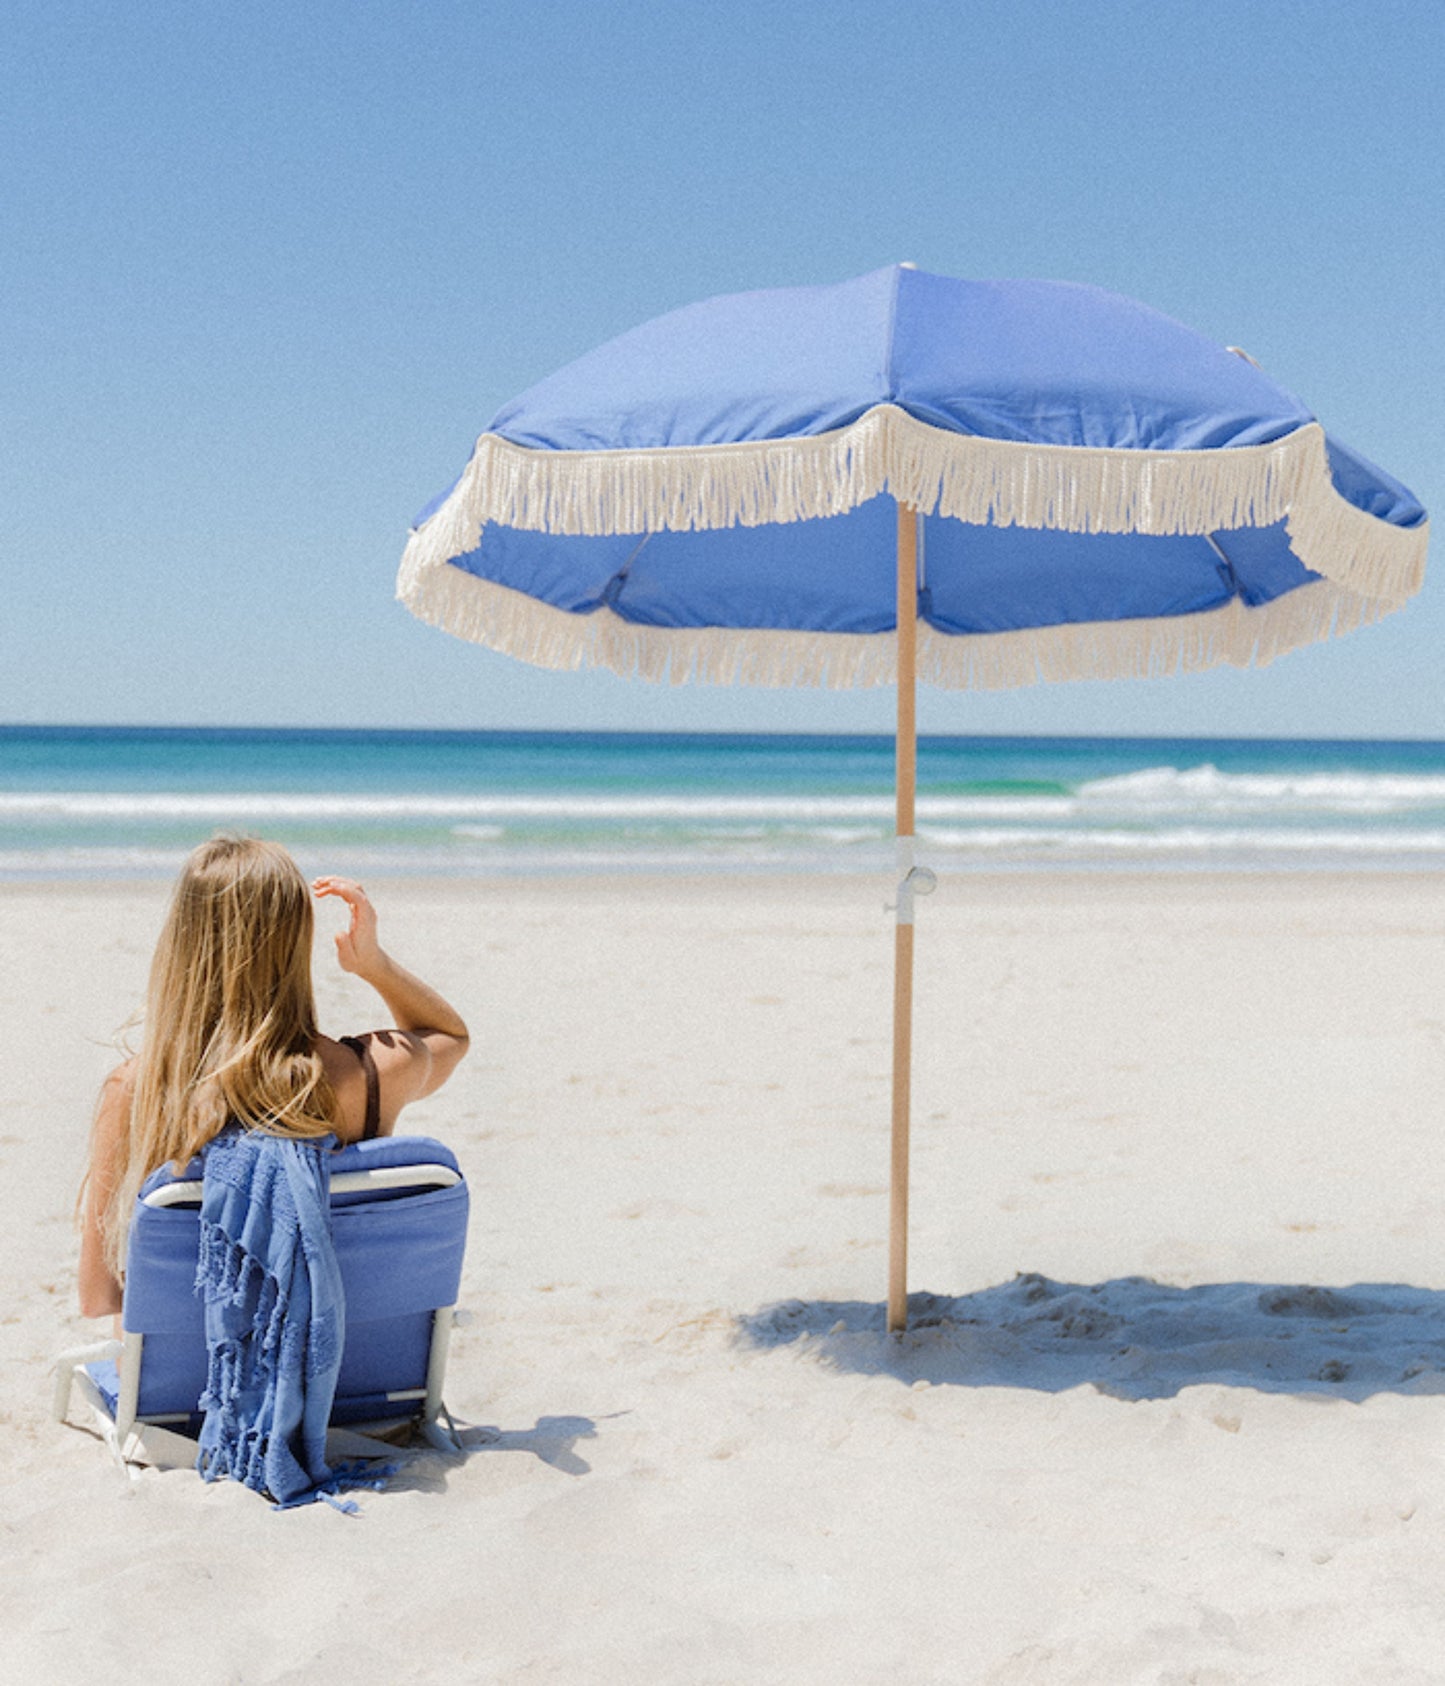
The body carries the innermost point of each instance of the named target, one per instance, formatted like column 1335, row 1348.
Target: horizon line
column 15, row 728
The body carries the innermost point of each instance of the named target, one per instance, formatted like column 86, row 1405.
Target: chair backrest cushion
column 400, row 1254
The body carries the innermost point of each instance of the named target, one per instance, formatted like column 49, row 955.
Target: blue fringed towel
column 275, row 1314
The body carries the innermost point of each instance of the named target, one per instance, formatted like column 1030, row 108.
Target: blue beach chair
column 399, row 1220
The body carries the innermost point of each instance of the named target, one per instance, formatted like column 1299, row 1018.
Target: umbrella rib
column 1218, row 550
column 619, row 579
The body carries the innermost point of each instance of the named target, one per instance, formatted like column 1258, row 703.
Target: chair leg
column 132, row 1345
column 103, row 1422
column 436, row 1368
column 439, row 1438
column 129, row 1442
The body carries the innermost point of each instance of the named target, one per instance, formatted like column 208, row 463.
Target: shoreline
column 841, row 886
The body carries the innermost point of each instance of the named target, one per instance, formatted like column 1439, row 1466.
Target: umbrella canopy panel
column 1042, row 362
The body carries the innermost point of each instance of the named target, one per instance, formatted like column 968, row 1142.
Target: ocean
column 118, row 802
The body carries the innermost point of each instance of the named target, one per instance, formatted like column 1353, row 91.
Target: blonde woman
column 230, row 1036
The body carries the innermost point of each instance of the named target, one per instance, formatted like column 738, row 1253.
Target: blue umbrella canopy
column 1101, row 492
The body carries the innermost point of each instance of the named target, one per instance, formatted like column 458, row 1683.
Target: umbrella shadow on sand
column 1133, row 1338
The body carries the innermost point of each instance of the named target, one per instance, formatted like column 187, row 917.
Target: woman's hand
column 357, row 949
column 430, row 1036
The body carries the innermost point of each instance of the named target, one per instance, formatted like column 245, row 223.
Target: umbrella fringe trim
column 982, row 481
column 1235, row 635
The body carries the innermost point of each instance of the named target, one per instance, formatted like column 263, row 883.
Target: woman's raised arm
column 430, row 1037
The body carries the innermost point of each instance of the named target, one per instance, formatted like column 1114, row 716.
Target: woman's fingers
column 349, row 892
column 357, row 942
column 346, row 888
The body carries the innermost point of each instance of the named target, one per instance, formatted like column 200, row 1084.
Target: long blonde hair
column 230, row 1023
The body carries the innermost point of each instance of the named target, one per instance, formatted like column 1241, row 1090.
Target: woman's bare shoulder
column 348, row 1084
column 388, row 1049
column 338, row 1061
column 397, row 1056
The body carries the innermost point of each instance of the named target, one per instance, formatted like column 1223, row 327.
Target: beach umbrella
column 905, row 477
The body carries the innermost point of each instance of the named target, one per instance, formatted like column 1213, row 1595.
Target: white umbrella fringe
column 517, row 625
column 982, row 481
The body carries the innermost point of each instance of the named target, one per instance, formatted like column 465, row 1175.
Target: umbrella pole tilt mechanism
column 906, row 753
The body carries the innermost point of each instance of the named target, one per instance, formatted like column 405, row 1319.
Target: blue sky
column 267, row 270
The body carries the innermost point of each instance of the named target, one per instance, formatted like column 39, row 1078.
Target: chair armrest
column 68, row 1363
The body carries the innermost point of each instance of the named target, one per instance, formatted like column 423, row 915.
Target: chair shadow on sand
column 1133, row 1338
column 552, row 1439
column 424, row 1469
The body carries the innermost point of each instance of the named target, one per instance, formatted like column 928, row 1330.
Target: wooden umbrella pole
column 907, row 763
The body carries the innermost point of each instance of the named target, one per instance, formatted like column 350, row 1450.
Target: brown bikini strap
column 359, row 1047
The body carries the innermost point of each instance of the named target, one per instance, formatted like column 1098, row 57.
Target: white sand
column 1167, row 1102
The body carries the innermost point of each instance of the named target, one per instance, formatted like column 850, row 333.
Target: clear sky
column 267, row 269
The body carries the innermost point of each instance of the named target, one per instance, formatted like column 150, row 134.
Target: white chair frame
column 150, row 1440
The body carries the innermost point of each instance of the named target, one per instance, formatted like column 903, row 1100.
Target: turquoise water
column 105, row 802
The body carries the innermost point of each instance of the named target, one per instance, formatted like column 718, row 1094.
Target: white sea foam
column 944, row 848
column 90, row 862
column 1206, row 790
column 240, row 806
column 844, row 835
column 1187, row 839
column 1155, row 793
column 1161, row 815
